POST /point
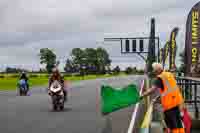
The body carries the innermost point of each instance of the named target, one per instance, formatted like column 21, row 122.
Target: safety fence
column 142, row 116
column 190, row 88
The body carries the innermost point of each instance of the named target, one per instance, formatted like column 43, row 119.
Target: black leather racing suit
column 62, row 84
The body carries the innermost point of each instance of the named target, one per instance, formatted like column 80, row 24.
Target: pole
column 170, row 55
column 158, row 49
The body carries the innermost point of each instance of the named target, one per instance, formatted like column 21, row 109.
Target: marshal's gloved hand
column 141, row 98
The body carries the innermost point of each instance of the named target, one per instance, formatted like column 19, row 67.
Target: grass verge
column 9, row 83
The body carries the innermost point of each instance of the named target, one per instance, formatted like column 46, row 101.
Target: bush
column 14, row 76
column 33, row 76
column 47, row 75
column 67, row 75
column 77, row 75
column 129, row 70
column 140, row 71
column 2, row 76
column 116, row 70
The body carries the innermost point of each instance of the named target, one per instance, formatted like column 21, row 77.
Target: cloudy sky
column 28, row 25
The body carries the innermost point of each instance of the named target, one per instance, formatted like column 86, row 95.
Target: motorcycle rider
column 24, row 76
column 57, row 76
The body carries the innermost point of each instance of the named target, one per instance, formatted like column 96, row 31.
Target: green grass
column 9, row 82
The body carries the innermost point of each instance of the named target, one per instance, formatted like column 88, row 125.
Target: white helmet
column 55, row 69
column 157, row 66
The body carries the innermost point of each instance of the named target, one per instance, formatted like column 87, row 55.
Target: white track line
column 132, row 123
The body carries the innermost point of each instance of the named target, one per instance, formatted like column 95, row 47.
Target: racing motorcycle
column 23, row 88
column 57, row 95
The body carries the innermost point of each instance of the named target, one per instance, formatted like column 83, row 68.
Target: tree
column 14, row 70
column 116, row 70
column 141, row 71
column 69, row 66
column 91, row 59
column 79, row 59
column 129, row 70
column 94, row 60
column 103, row 59
column 48, row 57
column 77, row 55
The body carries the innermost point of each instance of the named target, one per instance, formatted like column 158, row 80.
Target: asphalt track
column 33, row 114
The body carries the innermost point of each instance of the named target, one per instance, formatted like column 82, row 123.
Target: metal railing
column 190, row 89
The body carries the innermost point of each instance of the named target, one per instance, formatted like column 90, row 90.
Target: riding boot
column 28, row 86
column 64, row 95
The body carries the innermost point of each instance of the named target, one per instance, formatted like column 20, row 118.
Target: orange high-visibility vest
column 171, row 95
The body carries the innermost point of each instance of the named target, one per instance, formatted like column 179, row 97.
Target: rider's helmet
column 23, row 74
column 55, row 71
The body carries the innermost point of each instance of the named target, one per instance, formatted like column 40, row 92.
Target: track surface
column 33, row 114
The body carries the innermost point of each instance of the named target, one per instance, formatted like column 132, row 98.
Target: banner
column 165, row 53
column 192, row 42
column 161, row 55
column 173, row 49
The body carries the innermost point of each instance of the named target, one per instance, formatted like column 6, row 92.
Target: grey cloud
column 128, row 8
column 27, row 26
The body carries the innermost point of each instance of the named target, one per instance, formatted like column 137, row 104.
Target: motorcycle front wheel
column 54, row 107
column 61, row 107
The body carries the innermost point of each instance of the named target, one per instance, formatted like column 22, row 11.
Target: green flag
column 113, row 99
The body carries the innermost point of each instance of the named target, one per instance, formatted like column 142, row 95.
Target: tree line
column 82, row 61
column 89, row 60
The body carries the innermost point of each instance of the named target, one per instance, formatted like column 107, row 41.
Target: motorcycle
column 57, row 95
column 23, row 88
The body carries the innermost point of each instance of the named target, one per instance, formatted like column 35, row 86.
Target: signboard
column 166, row 52
column 162, row 56
column 192, row 42
column 173, row 49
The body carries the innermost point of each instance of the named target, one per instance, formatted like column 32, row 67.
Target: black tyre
column 61, row 107
column 20, row 93
column 54, row 107
column 25, row 93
